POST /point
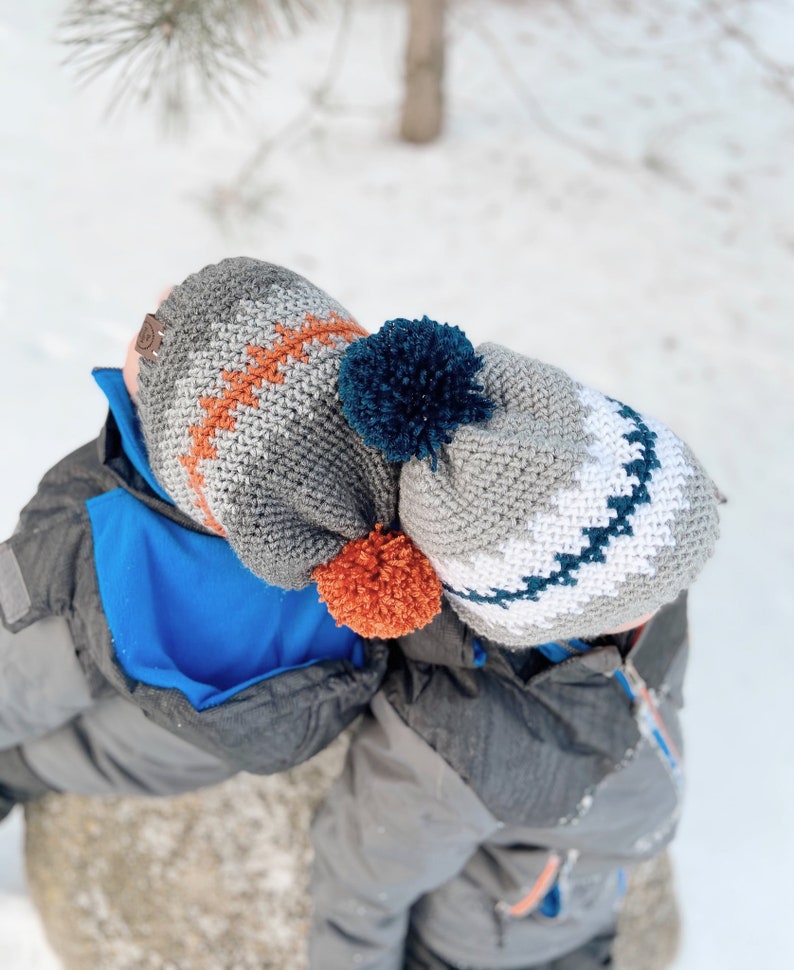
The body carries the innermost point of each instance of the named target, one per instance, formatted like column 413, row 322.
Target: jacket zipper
column 649, row 720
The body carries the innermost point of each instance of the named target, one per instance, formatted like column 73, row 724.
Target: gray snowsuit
column 138, row 656
column 487, row 811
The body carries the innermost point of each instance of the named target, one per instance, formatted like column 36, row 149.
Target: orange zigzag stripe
column 264, row 367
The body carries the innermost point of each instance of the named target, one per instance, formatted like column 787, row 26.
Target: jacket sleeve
column 43, row 570
column 42, row 685
column 398, row 824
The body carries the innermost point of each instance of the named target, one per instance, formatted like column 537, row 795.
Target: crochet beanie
column 547, row 509
column 239, row 411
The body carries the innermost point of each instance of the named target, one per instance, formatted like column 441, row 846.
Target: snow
column 612, row 194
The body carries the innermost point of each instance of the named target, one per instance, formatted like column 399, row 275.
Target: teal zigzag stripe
column 598, row 538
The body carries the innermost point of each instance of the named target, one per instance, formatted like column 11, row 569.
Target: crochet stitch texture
column 566, row 514
column 242, row 422
column 546, row 509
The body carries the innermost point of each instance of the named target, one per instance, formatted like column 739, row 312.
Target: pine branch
column 169, row 50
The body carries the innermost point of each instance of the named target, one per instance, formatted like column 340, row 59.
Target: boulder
column 649, row 927
column 213, row 880
column 218, row 879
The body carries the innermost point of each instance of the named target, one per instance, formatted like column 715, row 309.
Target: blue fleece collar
column 111, row 383
column 182, row 609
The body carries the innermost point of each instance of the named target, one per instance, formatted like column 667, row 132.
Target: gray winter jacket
column 138, row 656
column 494, row 808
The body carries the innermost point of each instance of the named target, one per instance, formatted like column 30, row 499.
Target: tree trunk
column 423, row 107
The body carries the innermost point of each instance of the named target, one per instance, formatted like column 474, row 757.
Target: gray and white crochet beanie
column 396, row 468
column 546, row 509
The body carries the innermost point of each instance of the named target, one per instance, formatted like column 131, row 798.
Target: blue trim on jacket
column 557, row 651
column 182, row 609
column 111, row 383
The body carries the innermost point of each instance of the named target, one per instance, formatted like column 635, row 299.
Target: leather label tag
column 150, row 336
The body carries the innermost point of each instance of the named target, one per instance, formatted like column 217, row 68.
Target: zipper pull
column 505, row 911
column 564, row 879
column 502, row 911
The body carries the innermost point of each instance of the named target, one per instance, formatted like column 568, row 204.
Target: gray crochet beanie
column 546, row 509
column 539, row 507
column 239, row 411
column 565, row 514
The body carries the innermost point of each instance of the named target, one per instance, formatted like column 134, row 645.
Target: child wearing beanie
column 524, row 749
column 512, row 546
column 141, row 652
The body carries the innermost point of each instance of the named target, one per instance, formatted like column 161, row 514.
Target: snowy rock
column 213, row 880
column 649, row 926
column 218, row 879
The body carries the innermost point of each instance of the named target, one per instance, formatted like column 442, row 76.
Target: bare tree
column 423, row 107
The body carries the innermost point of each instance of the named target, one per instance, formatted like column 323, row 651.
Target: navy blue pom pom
column 407, row 388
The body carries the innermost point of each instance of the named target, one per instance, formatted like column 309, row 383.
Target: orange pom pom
column 380, row 586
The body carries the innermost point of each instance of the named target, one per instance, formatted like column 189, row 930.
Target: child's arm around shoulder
column 398, row 823
column 42, row 683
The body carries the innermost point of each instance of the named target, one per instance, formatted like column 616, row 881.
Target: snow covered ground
column 612, row 194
